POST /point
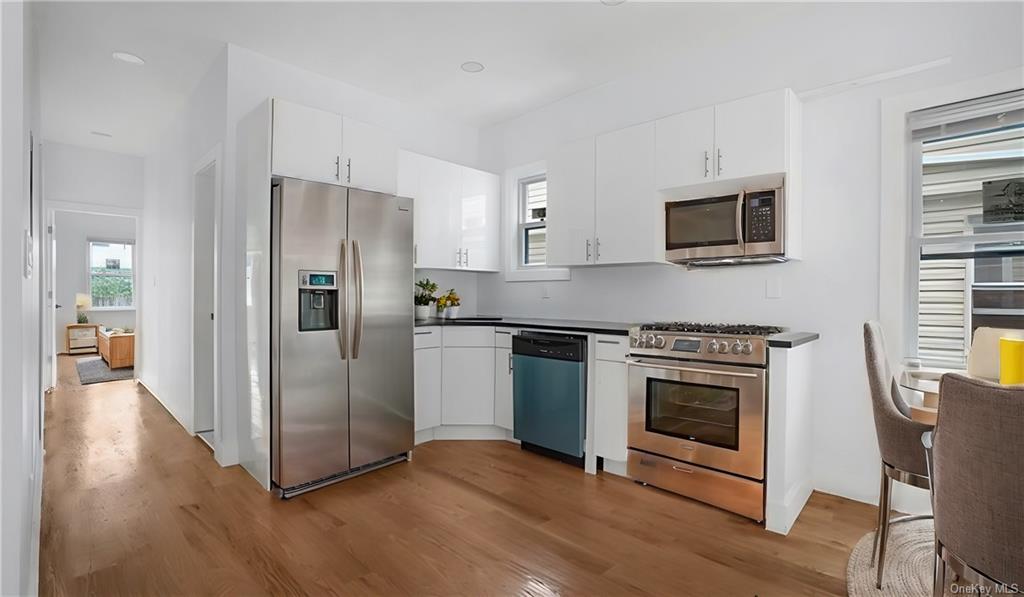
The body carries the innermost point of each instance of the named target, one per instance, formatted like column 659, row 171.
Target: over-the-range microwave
column 746, row 227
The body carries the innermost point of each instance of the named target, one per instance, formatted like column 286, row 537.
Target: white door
column 467, row 386
column 503, row 388
column 370, row 157
column 307, row 143
column 479, row 214
column 427, row 387
column 571, row 200
column 628, row 207
column 438, row 232
column 611, row 410
column 750, row 136
column 203, row 354
column 684, row 148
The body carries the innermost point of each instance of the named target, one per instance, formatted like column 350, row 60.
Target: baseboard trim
column 163, row 404
column 615, row 467
column 779, row 518
column 465, row 432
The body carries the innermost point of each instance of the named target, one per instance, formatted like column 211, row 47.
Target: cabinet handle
column 458, row 258
column 337, row 168
column 598, row 243
column 510, row 363
column 506, row 333
column 348, row 166
column 706, row 166
column 422, row 333
column 719, row 162
column 615, row 342
column 467, row 257
column 682, row 470
column 415, row 253
column 588, row 250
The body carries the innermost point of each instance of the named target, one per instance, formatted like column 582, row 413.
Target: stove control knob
column 712, row 346
column 659, row 341
column 737, row 347
column 723, row 347
column 748, row 348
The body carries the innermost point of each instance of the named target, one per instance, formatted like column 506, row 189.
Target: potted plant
column 452, row 303
column 424, row 295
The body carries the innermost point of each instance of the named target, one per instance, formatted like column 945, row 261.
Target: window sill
column 538, row 275
column 102, row 309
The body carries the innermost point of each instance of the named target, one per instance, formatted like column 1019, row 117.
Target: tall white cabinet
column 572, row 204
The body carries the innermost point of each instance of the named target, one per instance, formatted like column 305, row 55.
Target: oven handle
column 689, row 369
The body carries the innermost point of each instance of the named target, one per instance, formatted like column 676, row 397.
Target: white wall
column 835, row 288
column 72, row 233
column 20, row 323
column 85, row 175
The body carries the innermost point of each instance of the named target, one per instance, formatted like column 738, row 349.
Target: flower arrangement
column 448, row 304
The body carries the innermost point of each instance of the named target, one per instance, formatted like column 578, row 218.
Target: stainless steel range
column 697, row 401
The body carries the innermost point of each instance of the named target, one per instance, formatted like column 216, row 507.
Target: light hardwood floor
column 133, row 505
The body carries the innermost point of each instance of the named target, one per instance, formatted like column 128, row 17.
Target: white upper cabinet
column 307, row 143
column 480, row 214
column 571, row 204
column 750, row 135
column 630, row 213
column 457, row 213
column 369, row 157
column 685, row 148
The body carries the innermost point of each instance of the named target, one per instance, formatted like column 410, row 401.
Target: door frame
column 48, row 255
column 213, row 158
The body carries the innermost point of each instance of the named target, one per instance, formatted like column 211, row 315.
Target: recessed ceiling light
column 129, row 58
column 101, row 134
column 472, row 66
column 612, row 2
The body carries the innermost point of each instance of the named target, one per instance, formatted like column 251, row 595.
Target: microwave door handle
column 740, row 206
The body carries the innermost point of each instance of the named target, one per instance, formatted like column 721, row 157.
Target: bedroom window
column 111, row 274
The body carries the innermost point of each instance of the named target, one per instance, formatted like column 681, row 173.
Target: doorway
column 205, row 192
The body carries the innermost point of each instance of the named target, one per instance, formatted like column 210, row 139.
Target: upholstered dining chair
column 899, row 439
column 977, row 472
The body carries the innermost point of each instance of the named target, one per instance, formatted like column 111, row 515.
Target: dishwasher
column 549, row 394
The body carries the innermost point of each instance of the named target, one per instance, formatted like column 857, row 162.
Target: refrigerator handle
column 357, row 266
column 343, row 303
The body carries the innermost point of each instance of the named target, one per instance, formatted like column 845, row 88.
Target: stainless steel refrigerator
column 341, row 333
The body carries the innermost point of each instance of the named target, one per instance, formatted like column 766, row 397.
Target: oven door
column 703, row 228
column 708, row 414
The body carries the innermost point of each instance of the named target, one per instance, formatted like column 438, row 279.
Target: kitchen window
column 111, row 275
column 967, row 177
column 533, row 205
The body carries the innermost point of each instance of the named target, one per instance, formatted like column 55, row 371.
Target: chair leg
column 939, row 585
column 883, row 531
column 881, row 512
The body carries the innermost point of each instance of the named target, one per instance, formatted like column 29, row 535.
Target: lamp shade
column 83, row 302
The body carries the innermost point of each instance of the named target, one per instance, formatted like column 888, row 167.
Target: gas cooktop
column 690, row 327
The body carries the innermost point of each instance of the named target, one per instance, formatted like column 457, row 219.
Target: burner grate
column 712, row 328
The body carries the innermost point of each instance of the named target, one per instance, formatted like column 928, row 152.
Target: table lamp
column 83, row 302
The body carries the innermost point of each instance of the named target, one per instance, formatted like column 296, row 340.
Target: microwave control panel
column 760, row 218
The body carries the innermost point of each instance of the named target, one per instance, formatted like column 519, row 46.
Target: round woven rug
column 909, row 558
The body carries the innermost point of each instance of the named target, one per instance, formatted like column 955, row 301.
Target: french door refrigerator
column 341, row 333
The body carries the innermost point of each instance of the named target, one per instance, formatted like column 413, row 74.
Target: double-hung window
column 532, row 232
column 111, row 274
column 967, row 237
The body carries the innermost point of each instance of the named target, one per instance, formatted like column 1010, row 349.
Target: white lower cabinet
column 611, row 407
column 467, row 376
column 503, row 388
column 427, row 367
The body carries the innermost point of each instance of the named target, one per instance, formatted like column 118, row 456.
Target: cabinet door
column 611, row 410
column 467, row 386
column 628, row 207
column 570, row 216
column 684, row 148
column 307, row 143
column 370, row 157
column 750, row 136
column 503, row 416
column 479, row 214
column 437, row 240
column 427, row 368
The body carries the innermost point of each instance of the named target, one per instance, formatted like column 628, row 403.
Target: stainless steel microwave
column 746, row 227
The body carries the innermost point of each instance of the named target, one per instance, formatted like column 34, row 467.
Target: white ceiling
column 535, row 53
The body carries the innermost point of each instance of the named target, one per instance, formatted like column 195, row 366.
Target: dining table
column 923, row 383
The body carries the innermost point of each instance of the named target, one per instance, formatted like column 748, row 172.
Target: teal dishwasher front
column 549, row 392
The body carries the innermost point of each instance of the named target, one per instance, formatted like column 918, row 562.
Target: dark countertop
column 596, row 327
column 791, row 339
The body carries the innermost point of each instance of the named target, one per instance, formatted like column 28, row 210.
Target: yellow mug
column 1011, row 361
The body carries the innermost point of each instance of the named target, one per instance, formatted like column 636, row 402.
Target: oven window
column 701, row 223
column 705, row 414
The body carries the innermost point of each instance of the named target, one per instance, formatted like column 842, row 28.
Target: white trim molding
column 894, row 289
column 514, row 272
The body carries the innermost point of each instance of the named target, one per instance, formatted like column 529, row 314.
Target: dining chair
column 899, row 439
column 976, row 461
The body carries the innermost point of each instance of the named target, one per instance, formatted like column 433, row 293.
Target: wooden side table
column 81, row 338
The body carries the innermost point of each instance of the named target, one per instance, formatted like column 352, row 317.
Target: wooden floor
column 133, row 505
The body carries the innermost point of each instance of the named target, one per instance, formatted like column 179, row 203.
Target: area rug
column 95, row 370
column 909, row 557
